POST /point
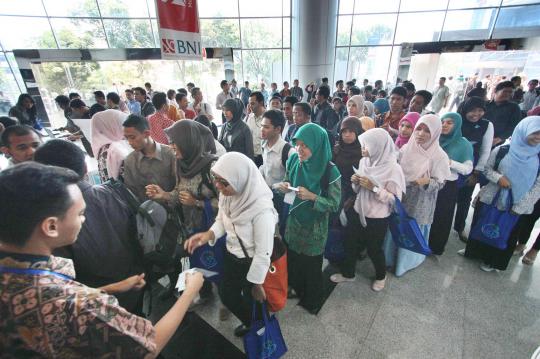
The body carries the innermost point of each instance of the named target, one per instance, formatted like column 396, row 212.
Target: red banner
column 179, row 33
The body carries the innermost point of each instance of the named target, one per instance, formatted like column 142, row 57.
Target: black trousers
column 234, row 289
column 525, row 226
column 358, row 238
column 305, row 277
column 464, row 197
column 442, row 218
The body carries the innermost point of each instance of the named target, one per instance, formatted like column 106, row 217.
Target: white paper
column 289, row 197
column 293, row 188
column 181, row 283
column 85, row 125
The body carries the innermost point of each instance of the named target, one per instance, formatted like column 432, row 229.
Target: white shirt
column 272, row 168
column 286, row 129
column 439, row 96
column 220, row 150
column 221, row 98
column 529, row 98
column 485, row 149
column 458, row 168
column 255, row 123
column 258, row 243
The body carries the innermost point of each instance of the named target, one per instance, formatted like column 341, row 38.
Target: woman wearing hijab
column 479, row 132
column 307, row 224
column 369, row 109
column 518, row 170
column 378, row 180
column 25, row 111
column 108, row 143
column 355, row 106
column 203, row 120
column 406, row 127
column 247, row 215
column 380, row 106
column 235, row 134
column 426, row 168
column 460, row 152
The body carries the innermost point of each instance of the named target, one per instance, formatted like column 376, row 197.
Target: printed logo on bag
column 269, row 348
column 406, row 241
column 208, row 259
column 491, row 231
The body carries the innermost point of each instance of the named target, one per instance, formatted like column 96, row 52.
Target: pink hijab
column 428, row 159
column 107, row 129
column 412, row 118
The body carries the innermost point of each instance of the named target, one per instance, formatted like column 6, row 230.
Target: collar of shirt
column 51, row 263
column 277, row 147
column 157, row 155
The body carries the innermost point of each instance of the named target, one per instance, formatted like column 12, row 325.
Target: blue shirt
column 134, row 107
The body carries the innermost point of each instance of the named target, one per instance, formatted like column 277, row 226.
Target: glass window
column 419, row 5
column 419, row 27
column 393, row 69
column 75, row 8
column 286, row 7
column 369, row 62
column 468, row 24
column 467, row 4
column 220, row 33
column 261, row 33
column 78, row 33
column 287, row 66
column 266, row 8
column 519, row 2
column 238, row 73
column 286, row 32
column 26, row 33
column 373, row 29
column 344, row 30
column 11, row 59
column 346, row 6
column 218, row 8
column 13, row 7
column 363, row 7
column 152, row 8
column 8, row 87
column 155, row 30
column 340, row 63
column 262, row 65
column 129, row 33
column 520, row 21
column 123, row 8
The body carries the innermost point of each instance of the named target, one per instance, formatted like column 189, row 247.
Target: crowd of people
column 294, row 163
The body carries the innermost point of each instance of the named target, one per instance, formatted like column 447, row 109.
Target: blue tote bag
column 334, row 250
column 405, row 231
column 494, row 226
column 264, row 339
column 209, row 257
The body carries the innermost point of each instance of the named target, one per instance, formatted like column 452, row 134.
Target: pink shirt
column 380, row 205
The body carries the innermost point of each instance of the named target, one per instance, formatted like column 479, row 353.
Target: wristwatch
column 376, row 189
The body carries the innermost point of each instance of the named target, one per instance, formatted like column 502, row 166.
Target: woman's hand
column 504, row 182
column 422, row 181
column 198, row 240
column 258, row 293
column 187, row 199
column 355, row 179
column 304, row 194
column 135, row 282
column 366, row 183
column 284, row 187
column 472, row 180
column 154, row 192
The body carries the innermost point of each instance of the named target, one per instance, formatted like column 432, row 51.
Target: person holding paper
column 247, row 215
column 318, row 195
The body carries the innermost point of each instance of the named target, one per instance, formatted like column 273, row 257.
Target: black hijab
column 348, row 155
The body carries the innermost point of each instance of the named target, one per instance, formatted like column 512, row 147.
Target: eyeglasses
column 221, row 181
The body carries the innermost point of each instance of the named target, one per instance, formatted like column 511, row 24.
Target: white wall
column 423, row 71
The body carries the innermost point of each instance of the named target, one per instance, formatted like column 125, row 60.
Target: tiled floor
column 446, row 308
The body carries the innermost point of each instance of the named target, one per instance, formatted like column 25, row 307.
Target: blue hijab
column 382, row 105
column 521, row 163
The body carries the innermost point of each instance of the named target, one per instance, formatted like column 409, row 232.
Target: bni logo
column 168, row 46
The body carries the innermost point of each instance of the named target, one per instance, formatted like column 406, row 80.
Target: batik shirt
column 48, row 314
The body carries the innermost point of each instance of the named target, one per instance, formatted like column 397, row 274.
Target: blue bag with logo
column 494, row 226
column 264, row 339
column 405, row 231
column 334, row 250
column 209, row 257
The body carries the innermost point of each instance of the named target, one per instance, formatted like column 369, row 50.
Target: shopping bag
column 264, row 339
column 494, row 226
column 334, row 250
column 405, row 231
column 276, row 282
column 207, row 257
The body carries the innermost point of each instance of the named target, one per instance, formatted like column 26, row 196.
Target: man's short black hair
column 339, row 82
column 190, row 84
column 182, row 90
column 8, row 121
column 195, row 91
column 355, row 90
column 409, row 86
column 368, row 88
column 99, row 94
column 378, row 82
column 170, row 92
column 246, row 83
column 443, row 78
column 128, row 91
column 17, row 130
column 504, row 84
column 63, row 154
column 350, row 83
column 159, row 100
column 223, row 83
column 400, row 91
column 382, row 93
column 73, row 95
column 276, row 117
column 285, row 83
column 290, row 99
column 305, row 107
column 179, row 96
column 276, row 97
column 324, row 79
column 140, row 90
column 95, row 108
column 62, row 100
column 147, row 84
column 34, row 192
column 114, row 97
column 515, row 78
column 77, row 103
column 324, row 91
column 258, row 96
column 140, row 123
column 425, row 94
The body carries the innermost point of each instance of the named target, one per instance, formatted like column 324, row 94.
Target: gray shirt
column 141, row 170
column 420, row 201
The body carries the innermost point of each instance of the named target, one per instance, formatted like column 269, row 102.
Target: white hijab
column 428, row 159
column 252, row 193
column 380, row 167
column 107, row 129
column 370, row 109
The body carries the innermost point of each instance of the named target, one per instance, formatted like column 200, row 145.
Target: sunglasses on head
column 221, row 181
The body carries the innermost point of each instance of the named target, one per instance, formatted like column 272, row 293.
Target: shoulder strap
column 325, row 179
column 285, row 154
column 241, row 243
column 503, row 151
column 207, row 181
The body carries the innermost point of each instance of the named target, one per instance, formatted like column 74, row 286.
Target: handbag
column 494, row 226
column 209, row 257
column 264, row 339
column 334, row 250
column 405, row 230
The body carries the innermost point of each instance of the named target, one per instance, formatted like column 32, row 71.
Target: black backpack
column 285, row 154
column 503, row 151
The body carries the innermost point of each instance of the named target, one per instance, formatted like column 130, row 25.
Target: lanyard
column 31, row 271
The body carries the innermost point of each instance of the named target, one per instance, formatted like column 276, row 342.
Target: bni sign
column 179, row 31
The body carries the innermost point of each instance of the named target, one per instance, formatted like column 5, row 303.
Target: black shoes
column 241, row 330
